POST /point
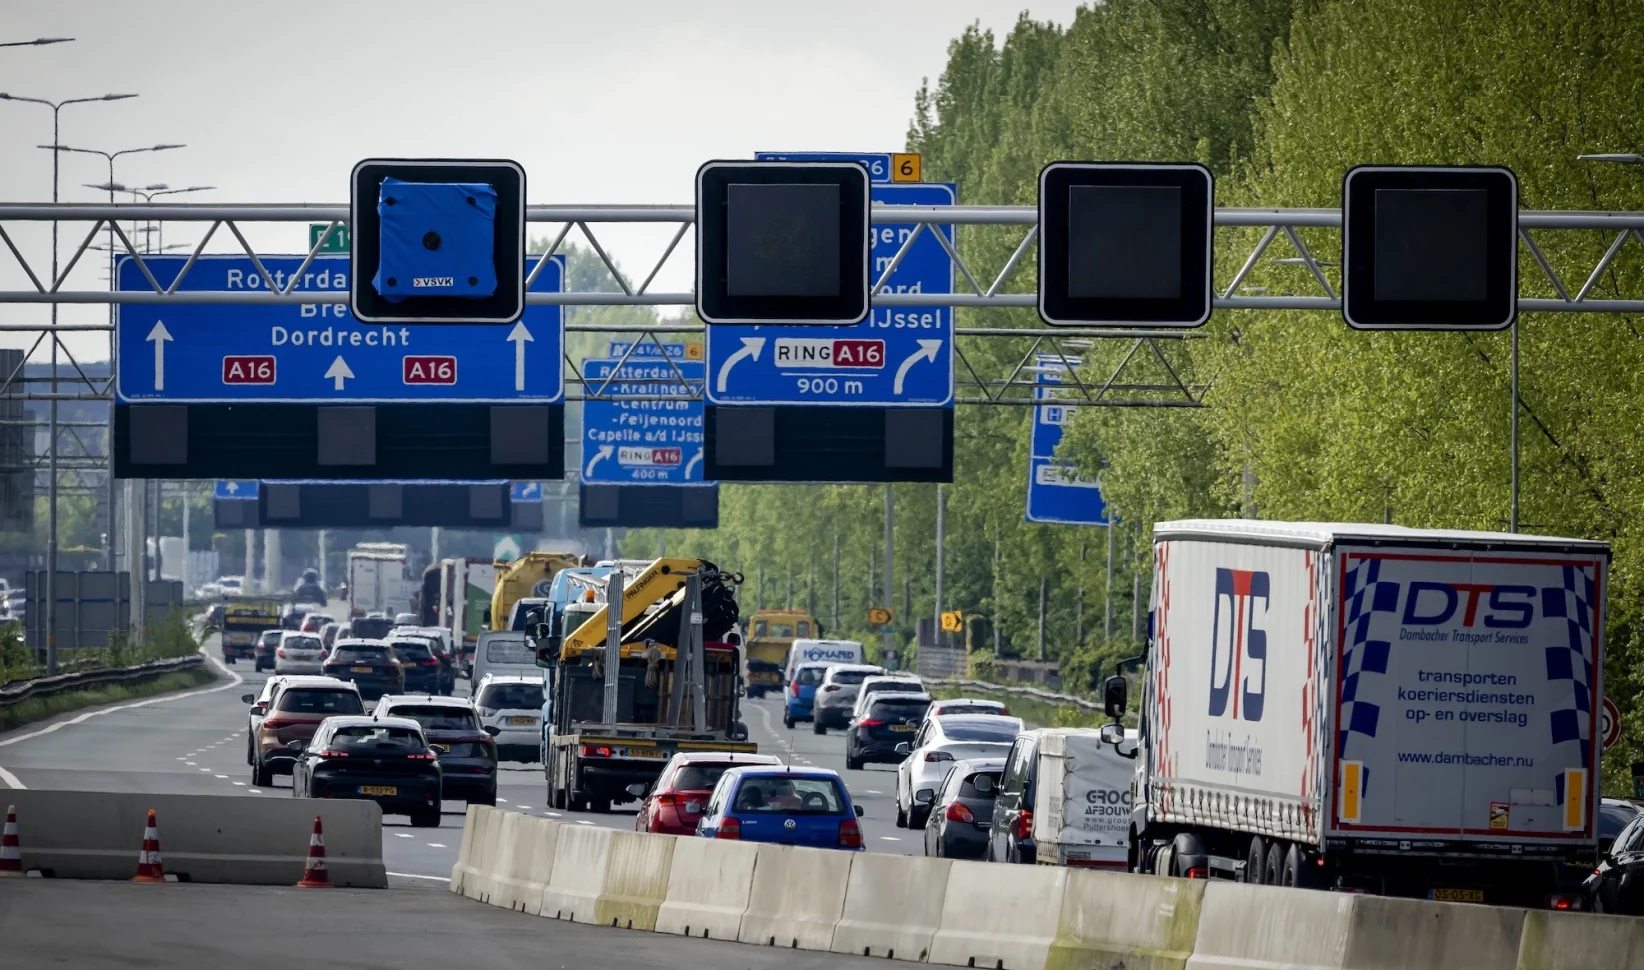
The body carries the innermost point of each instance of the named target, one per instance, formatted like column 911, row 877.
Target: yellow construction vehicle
column 529, row 576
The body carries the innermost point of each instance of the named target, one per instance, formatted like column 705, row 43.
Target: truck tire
column 425, row 818
column 1272, row 872
column 1290, row 874
column 1254, row 862
column 1186, row 852
column 599, row 806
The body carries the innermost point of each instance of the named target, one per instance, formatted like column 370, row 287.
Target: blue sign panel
column 878, row 164
column 525, row 492
column 641, row 442
column 1054, row 495
column 898, row 357
column 319, row 353
column 237, row 489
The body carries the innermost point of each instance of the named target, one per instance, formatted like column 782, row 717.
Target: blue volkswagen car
column 783, row 805
column 798, row 699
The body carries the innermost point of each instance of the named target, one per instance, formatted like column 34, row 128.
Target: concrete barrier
column 467, row 854
column 535, row 864
column 636, row 880
column 1578, row 941
column 1137, row 921
column 1399, row 934
column 1243, row 927
column 999, row 916
column 514, row 872
column 488, row 849
column 578, row 876
column 203, row 838
column 797, row 896
column 708, row 885
column 893, row 905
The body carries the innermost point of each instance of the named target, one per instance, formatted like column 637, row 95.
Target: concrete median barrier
column 466, row 868
column 525, row 863
column 797, row 897
column 482, row 881
column 636, row 880
column 1580, row 941
column 999, row 916
column 708, row 885
column 1137, row 921
column 1244, row 927
column 578, row 876
column 1399, row 934
column 893, row 905
column 203, row 838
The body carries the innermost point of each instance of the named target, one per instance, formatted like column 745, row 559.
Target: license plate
column 379, row 790
column 693, row 808
column 1457, row 895
column 360, row 670
column 302, row 656
column 522, row 720
column 902, row 727
column 645, row 753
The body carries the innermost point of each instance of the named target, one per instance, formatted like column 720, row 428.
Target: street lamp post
column 50, row 625
column 136, row 546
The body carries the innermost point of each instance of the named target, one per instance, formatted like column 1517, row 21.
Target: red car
column 674, row 804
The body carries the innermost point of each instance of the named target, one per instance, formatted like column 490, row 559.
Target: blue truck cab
column 798, row 699
column 783, row 805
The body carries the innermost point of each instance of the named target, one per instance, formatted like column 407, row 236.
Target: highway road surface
column 195, row 743
column 107, row 925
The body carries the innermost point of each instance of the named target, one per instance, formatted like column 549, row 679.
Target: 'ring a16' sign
column 1609, row 722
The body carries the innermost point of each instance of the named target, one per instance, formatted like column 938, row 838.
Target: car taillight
column 428, row 663
column 426, row 756
column 729, row 829
column 279, row 652
column 958, row 813
column 1024, row 825
column 331, row 754
column 277, row 722
column 938, row 756
column 596, row 751
column 850, row 834
column 795, row 688
column 869, row 722
column 1563, row 902
column 667, row 800
column 1004, row 712
column 1198, row 872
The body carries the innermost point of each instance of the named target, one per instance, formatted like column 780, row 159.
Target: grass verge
column 40, row 708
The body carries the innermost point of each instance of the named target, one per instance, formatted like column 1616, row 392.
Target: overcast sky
column 605, row 102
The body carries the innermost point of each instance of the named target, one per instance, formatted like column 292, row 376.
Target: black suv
column 885, row 723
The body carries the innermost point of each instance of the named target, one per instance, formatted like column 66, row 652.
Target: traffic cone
column 11, row 851
column 149, row 867
column 315, row 875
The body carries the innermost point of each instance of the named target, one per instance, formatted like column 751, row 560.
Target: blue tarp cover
column 436, row 239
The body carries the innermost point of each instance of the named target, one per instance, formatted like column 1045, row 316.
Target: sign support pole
column 1512, row 512
column 613, row 646
column 941, row 528
column 889, row 578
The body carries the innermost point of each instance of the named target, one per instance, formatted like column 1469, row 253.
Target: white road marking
column 208, row 771
column 872, row 792
column 225, row 777
column 255, row 791
column 502, row 801
column 889, row 838
column 523, row 808
column 583, row 821
column 553, row 814
column 403, row 835
column 436, row 845
column 235, row 680
column 191, row 764
column 240, row 783
column 418, row 875
column 183, row 758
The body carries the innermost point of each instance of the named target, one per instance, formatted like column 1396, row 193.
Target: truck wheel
column 599, row 806
column 1290, row 874
column 1272, row 872
column 1254, row 862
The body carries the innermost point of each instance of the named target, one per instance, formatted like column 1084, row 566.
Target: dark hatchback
column 885, row 723
column 423, row 671
column 961, row 809
column 262, row 657
column 1617, row 885
column 388, row 761
column 369, row 665
column 467, row 753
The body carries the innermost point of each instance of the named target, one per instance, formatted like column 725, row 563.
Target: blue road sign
column 1054, row 494
column 525, row 492
column 641, row 442
column 878, row 164
column 898, row 357
column 678, row 350
column 236, row 489
column 319, row 353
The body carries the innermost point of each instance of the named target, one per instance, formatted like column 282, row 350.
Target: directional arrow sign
column 319, row 353
column 645, row 442
column 236, row 490
column 898, row 357
column 1054, row 494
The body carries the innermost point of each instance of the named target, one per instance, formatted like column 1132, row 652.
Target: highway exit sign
column 338, row 242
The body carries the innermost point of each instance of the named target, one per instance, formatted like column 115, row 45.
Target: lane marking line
column 255, row 791
column 240, row 783
column 436, row 845
column 418, row 875
column 191, row 764
column 889, row 838
column 12, row 781
column 403, row 835
column 224, row 777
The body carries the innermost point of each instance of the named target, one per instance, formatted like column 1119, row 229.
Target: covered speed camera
column 782, row 242
column 1125, row 244
column 437, row 241
column 1429, row 248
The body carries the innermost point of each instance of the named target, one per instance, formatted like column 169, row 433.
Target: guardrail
column 1019, row 690
column 20, row 691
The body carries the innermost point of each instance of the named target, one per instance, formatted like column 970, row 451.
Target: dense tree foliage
column 1306, row 419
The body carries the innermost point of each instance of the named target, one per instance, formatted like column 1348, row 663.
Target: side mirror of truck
column 739, row 731
column 485, row 617
column 903, row 748
column 1115, row 695
column 637, row 789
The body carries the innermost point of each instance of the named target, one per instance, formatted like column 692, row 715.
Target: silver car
column 299, row 653
column 836, row 695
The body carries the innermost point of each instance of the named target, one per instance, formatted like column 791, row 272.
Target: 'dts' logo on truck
column 1504, row 607
column 1238, row 644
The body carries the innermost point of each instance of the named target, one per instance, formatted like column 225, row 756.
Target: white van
column 503, row 652
column 822, row 651
column 1082, row 806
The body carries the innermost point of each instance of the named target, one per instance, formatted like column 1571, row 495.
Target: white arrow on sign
column 519, row 337
column 231, row 487
column 928, row 349
column 159, row 335
column 751, row 346
column 338, row 372
column 604, row 452
column 696, row 460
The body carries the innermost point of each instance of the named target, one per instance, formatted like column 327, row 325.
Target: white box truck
column 377, row 582
column 1371, row 708
column 1082, row 800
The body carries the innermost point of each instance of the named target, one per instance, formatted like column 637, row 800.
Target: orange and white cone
column 315, row 875
column 149, row 867
column 11, row 850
